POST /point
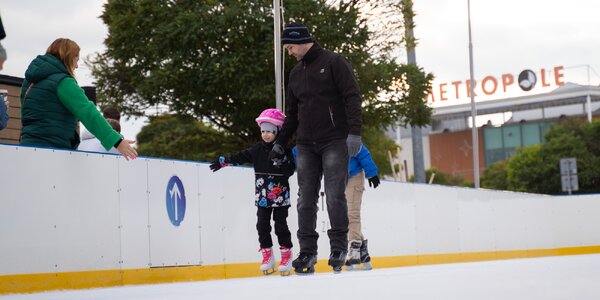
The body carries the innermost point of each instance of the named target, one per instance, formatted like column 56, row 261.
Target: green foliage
column 572, row 138
column 442, row 178
column 208, row 59
column 408, row 14
column 495, row 176
column 214, row 59
column 183, row 137
column 379, row 145
column 417, row 83
column 536, row 169
column 523, row 172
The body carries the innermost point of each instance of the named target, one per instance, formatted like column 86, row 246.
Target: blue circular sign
column 175, row 200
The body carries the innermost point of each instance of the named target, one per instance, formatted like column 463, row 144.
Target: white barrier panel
column 174, row 213
column 134, row 214
column 69, row 211
column 60, row 211
column 576, row 220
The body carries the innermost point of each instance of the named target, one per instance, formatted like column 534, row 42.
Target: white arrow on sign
column 175, row 195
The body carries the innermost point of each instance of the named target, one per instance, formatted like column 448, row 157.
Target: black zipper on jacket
column 309, row 104
column 331, row 116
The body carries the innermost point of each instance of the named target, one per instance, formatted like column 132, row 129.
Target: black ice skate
column 336, row 260
column 305, row 264
column 365, row 260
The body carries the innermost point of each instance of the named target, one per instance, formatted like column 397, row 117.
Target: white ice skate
column 365, row 266
column 354, row 252
column 268, row 262
column 285, row 266
column 364, row 261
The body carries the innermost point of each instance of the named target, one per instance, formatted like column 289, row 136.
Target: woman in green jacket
column 52, row 103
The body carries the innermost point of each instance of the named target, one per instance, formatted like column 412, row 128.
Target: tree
column 524, row 173
column 213, row 60
column 379, row 145
column 535, row 169
column 183, row 137
column 442, row 178
column 384, row 20
column 495, row 176
column 572, row 138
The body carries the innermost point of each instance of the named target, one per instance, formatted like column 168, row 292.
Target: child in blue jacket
column 360, row 166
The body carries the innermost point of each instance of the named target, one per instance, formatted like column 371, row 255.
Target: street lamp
column 278, row 54
column 473, row 109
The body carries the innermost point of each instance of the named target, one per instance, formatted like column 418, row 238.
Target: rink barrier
column 73, row 220
column 31, row 283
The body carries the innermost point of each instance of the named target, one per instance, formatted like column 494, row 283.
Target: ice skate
column 366, row 266
column 305, row 264
column 337, row 260
column 285, row 266
column 354, row 252
column 365, row 260
column 268, row 262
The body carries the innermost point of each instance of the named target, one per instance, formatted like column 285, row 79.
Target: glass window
column 492, row 156
column 509, row 152
column 501, row 143
column 492, row 138
column 544, row 127
column 512, row 136
column 531, row 134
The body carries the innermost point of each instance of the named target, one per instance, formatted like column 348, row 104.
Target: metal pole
column 588, row 98
column 416, row 135
column 473, row 109
column 277, row 52
column 569, row 186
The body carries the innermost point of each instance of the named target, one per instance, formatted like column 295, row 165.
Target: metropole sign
column 494, row 87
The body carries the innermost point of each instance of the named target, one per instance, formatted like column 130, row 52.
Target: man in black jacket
column 324, row 109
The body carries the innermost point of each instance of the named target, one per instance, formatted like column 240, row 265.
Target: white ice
column 565, row 277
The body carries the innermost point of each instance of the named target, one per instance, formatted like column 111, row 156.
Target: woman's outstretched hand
column 126, row 149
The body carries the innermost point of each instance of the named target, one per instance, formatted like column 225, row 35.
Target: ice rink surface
column 565, row 277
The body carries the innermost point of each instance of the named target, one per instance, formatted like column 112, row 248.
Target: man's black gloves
column 374, row 181
column 277, row 154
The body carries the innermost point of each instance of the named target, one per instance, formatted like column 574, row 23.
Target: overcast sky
column 508, row 36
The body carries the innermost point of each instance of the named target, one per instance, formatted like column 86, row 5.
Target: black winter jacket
column 272, row 188
column 2, row 32
column 323, row 99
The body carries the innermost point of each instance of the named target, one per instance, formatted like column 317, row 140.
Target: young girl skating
column 272, row 190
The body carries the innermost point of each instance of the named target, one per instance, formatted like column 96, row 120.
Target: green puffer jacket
column 54, row 104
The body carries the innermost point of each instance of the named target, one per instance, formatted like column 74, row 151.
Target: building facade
column 11, row 134
column 504, row 125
